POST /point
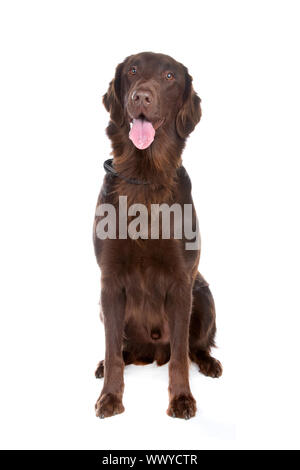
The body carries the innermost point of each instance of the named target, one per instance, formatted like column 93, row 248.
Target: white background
column 57, row 58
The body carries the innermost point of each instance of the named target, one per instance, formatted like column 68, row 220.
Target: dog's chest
column 162, row 257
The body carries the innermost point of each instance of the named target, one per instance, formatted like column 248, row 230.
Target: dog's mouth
column 142, row 131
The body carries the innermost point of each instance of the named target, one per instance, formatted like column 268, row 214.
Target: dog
column 155, row 304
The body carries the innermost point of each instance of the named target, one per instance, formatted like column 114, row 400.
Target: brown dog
column 156, row 305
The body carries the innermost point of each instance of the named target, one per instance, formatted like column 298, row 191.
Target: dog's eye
column 132, row 71
column 169, row 76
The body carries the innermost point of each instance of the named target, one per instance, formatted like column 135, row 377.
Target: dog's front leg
column 113, row 304
column 178, row 310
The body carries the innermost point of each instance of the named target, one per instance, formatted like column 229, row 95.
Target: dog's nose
column 141, row 98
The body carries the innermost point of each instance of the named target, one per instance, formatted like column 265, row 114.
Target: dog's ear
column 190, row 113
column 112, row 99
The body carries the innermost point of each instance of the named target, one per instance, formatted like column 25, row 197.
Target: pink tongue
column 142, row 133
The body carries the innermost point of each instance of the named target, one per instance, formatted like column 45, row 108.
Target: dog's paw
column 210, row 366
column 182, row 406
column 108, row 405
column 99, row 372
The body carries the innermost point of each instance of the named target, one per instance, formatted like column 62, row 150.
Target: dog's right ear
column 112, row 99
column 190, row 112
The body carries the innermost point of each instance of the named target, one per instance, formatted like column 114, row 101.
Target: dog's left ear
column 112, row 99
column 190, row 112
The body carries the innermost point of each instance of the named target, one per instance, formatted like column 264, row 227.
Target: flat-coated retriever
column 156, row 306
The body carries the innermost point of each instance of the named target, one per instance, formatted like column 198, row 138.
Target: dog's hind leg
column 99, row 372
column 203, row 329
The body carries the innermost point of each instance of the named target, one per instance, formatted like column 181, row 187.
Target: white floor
column 55, row 409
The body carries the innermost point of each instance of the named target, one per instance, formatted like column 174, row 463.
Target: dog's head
column 151, row 92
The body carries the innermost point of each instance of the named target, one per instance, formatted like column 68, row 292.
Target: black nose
column 141, row 98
